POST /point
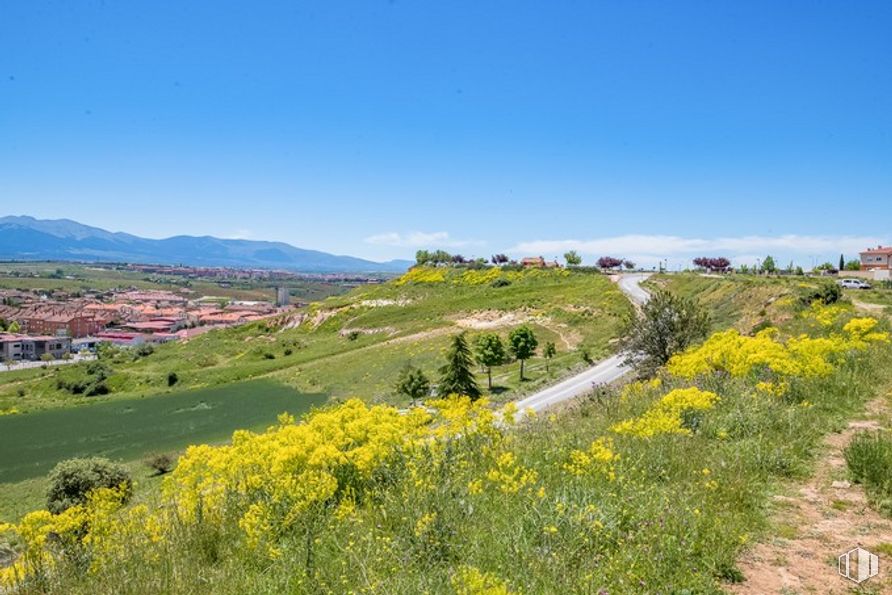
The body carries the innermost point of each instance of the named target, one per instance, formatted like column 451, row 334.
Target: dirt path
column 816, row 522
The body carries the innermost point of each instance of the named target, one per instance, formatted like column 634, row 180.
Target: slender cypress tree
column 457, row 375
column 842, row 263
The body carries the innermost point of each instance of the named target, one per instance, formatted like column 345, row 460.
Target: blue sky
column 639, row 129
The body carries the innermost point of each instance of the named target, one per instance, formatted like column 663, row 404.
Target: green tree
column 573, row 259
column 853, row 265
column 413, row 384
column 14, row 327
column 490, row 352
column 768, row 265
column 842, row 263
column 668, row 324
column 522, row 343
column 549, row 352
column 456, row 375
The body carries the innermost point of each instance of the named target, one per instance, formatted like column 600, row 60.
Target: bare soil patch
column 818, row 521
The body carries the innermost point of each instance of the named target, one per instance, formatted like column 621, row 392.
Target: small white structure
column 858, row 565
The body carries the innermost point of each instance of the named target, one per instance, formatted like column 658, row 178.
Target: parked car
column 853, row 284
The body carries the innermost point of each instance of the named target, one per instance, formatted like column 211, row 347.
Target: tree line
column 456, row 375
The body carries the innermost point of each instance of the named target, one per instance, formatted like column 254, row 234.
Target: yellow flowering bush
column 509, row 476
column 598, row 459
column 803, row 356
column 422, row 275
column 469, row 580
column 93, row 524
column 666, row 416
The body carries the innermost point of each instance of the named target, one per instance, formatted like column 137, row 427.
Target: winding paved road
column 603, row 372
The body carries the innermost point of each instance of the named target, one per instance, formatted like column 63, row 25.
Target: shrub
column 90, row 384
column 500, row 283
column 288, row 351
column 71, row 481
column 47, row 357
column 145, row 350
column 826, row 293
column 172, row 378
column 161, row 462
column 268, row 355
column 869, row 458
column 668, row 324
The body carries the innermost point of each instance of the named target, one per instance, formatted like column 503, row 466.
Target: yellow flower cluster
column 281, row 474
column 599, row 459
column 861, row 331
column 509, row 475
column 739, row 355
column 825, row 315
column 422, row 275
column 469, row 580
column 473, row 277
column 268, row 482
column 665, row 417
column 94, row 524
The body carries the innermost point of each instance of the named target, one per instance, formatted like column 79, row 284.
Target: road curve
column 603, row 372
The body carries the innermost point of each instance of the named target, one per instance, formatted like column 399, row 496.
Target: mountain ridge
column 28, row 238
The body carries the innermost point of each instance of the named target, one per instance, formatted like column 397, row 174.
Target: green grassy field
column 354, row 344
column 567, row 503
column 576, row 311
column 127, row 429
column 82, row 277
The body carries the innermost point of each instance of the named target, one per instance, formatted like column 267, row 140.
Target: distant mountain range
column 27, row 238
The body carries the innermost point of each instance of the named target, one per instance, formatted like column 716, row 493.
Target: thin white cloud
column 650, row 249
column 241, row 234
column 420, row 239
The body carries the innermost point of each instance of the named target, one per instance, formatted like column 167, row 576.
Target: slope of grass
column 738, row 301
column 567, row 503
column 353, row 345
column 126, row 429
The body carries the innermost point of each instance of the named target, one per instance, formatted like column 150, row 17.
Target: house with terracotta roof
column 876, row 258
column 533, row 261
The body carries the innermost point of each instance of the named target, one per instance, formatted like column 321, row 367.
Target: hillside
column 658, row 486
column 352, row 345
column 26, row 238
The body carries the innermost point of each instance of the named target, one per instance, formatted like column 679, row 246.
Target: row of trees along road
column 457, row 374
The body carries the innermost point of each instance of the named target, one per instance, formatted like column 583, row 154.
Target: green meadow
column 130, row 428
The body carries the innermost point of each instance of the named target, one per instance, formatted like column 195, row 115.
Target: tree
column 573, row 259
column 853, row 265
column 413, row 384
column 549, row 352
column 842, row 263
column 668, row 324
column 825, row 266
column 422, row 257
column 719, row 264
column 456, row 375
column 609, row 262
column 70, row 481
column 490, row 352
column 629, row 265
column 522, row 343
column 499, row 259
column 768, row 265
column 14, row 327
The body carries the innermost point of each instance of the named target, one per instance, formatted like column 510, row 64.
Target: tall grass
column 673, row 520
column 869, row 459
